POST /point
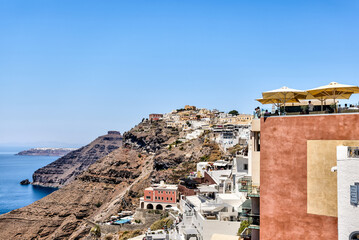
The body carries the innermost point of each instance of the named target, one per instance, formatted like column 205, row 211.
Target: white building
column 203, row 217
column 195, row 134
column 348, row 192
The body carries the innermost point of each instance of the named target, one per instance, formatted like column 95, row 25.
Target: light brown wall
column 321, row 182
column 283, row 172
column 256, row 168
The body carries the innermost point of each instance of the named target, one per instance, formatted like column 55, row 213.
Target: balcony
column 252, row 226
column 313, row 113
column 254, row 191
column 254, row 222
column 246, row 186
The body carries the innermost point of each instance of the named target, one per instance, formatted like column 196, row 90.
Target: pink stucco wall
column 283, row 174
column 163, row 196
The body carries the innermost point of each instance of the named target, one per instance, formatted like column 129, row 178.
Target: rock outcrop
column 46, row 151
column 25, row 182
column 113, row 183
column 65, row 169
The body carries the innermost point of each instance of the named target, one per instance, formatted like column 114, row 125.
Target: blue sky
column 71, row 70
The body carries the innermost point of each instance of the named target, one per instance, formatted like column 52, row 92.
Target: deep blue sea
column 14, row 169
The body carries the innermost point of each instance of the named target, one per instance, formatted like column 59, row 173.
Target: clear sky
column 71, row 70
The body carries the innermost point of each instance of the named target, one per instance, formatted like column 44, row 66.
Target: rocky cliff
column 65, row 169
column 112, row 183
column 46, row 151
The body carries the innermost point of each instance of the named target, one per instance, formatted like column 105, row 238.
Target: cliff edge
column 113, row 183
column 64, row 170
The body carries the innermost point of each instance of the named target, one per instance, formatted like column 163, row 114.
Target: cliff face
column 113, row 183
column 65, row 169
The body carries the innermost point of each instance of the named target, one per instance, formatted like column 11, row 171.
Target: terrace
column 320, row 100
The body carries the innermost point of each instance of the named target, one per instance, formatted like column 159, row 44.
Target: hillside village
column 221, row 197
column 226, row 129
column 198, row 174
column 215, row 198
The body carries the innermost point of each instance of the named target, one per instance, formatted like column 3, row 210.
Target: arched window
column 354, row 235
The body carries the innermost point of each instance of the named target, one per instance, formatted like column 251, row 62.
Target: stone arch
column 142, row 205
column 159, row 207
column 168, row 206
column 149, row 206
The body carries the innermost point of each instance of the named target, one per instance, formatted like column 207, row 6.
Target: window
column 148, row 197
column 171, row 199
column 162, row 198
column 354, row 235
column 245, row 166
column 167, row 199
column 257, row 141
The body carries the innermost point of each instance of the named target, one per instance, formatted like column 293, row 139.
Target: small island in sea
column 46, row 151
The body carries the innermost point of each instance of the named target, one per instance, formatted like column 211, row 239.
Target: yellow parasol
column 284, row 95
column 276, row 101
column 334, row 91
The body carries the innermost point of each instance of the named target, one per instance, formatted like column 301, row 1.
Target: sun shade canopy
column 284, row 93
column 334, row 90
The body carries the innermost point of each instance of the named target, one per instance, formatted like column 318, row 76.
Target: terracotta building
column 155, row 116
column 298, row 196
column 159, row 196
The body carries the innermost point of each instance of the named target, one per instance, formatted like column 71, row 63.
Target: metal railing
column 245, row 185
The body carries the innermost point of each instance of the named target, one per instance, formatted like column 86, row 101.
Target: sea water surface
column 14, row 169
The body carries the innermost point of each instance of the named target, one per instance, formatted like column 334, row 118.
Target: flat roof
column 163, row 186
column 190, row 231
column 217, row 236
column 207, row 189
column 307, row 115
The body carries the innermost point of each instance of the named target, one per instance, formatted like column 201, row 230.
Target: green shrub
column 164, row 215
column 244, row 225
column 128, row 234
column 234, row 112
column 205, row 158
column 161, row 223
column 95, row 231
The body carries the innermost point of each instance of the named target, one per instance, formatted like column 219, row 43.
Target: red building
column 155, row 116
column 293, row 203
column 159, row 196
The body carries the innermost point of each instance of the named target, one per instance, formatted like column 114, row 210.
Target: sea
column 14, row 169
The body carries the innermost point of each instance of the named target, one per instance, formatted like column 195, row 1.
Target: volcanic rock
column 65, row 169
